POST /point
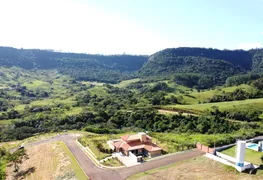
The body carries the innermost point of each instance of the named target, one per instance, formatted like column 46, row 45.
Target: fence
column 204, row 148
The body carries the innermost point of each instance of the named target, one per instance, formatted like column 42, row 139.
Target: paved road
column 96, row 173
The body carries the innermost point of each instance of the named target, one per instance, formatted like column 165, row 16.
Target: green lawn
column 250, row 155
column 113, row 162
column 74, row 164
column 91, row 140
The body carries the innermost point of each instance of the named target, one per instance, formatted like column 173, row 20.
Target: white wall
column 224, row 156
column 225, row 160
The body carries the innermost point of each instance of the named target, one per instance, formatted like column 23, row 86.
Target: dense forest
column 210, row 65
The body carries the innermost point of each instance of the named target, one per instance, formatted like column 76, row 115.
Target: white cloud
column 69, row 26
column 247, row 46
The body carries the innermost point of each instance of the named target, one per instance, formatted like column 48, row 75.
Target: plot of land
column 197, row 168
column 250, row 155
column 48, row 161
column 249, row 103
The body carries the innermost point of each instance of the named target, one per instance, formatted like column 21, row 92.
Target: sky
column 130, row 26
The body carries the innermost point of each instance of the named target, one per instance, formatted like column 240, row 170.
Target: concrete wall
column 154, row 153
column 224, row 156
column 216, row 158
column 132, row 157
column 230, row 161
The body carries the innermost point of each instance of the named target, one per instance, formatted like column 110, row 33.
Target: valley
column 178, row 96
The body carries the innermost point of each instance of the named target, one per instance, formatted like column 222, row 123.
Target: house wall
column 125, row 152
column 142, row 137
column 110, row 143
column 154, row 153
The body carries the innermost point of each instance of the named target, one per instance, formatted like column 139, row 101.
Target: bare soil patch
column 46, row 162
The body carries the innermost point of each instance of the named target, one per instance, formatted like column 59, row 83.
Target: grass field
column 193, row 169
column 249, row 103
column 5, row 122
column 125, row 83
column 193, row 97
column 92, row 83
column 250, row 155
column 98, row 90
column 171, row 140
column 37, row 84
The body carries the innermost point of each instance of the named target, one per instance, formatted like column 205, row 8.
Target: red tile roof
column 133, row 145
column 117, row 144
column 133, row 137
column 152, row 147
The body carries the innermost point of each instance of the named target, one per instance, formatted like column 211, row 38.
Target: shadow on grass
column 254, row 171
column 260, row 168
column 25, row 173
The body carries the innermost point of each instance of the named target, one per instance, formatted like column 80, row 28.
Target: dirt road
column 96, row 173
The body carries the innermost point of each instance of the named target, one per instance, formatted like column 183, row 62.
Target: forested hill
column 112, row 68
column 212, row 66
column 217, row 64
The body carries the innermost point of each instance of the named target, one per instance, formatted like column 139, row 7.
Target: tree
column 17, row 157
column 258, row 84
column 2, row 152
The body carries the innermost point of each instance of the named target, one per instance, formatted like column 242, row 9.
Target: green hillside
column 211, row 66
column 112, row 68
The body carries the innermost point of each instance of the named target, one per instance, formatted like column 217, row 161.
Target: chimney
column 142, row 137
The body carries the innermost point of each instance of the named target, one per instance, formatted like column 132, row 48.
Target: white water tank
column 240, row 153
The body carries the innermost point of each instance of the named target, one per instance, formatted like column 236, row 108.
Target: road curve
column 96, row 173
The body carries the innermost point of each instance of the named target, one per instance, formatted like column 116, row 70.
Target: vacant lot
column 48, row 161
column 197, row 168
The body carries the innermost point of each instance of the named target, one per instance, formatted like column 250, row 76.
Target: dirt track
column 96, row 173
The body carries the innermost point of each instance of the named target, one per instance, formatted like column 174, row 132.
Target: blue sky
column 130, row 26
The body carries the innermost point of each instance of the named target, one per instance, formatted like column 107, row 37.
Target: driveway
column 96, row 173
